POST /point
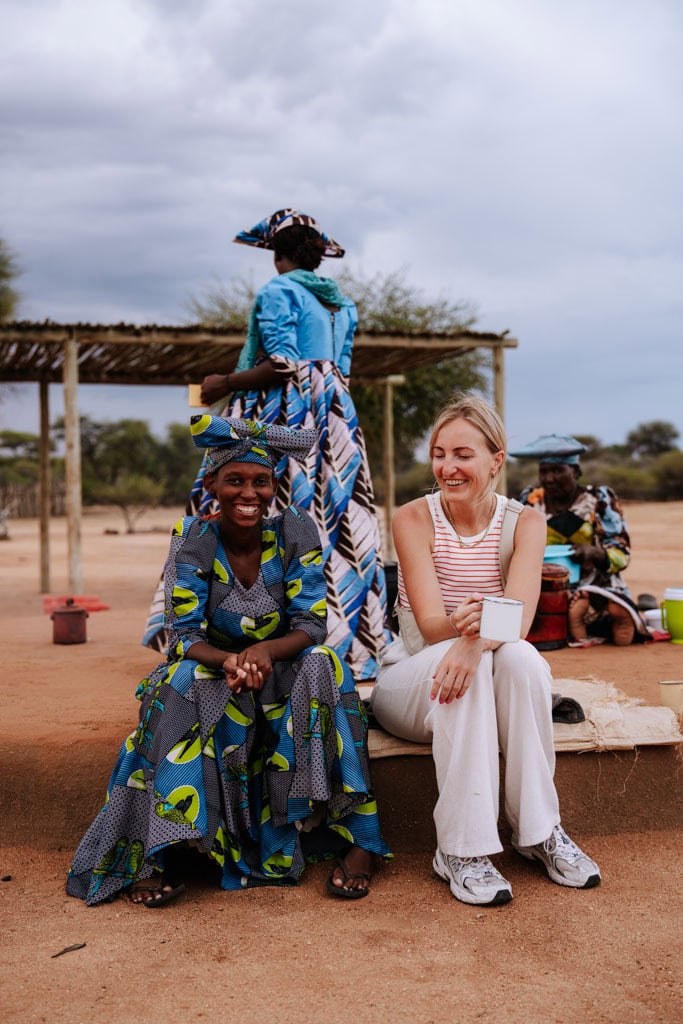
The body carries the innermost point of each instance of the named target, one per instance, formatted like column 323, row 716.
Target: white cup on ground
column 501, row 619
column 671, row 694
column 653, row 618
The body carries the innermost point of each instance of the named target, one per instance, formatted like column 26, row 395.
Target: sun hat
column 553, row 448
column 262, row 234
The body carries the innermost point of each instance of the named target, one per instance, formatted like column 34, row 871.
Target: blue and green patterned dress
column 236, row 774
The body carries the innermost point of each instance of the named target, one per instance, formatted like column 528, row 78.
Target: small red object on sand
column 87, row 601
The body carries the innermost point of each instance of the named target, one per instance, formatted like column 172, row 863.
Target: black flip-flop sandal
column 154, row 900
column 340, row 891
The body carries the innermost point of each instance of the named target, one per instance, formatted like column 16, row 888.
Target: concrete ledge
column 600, row 793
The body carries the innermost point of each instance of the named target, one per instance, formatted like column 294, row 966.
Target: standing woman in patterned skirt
column 293, row 371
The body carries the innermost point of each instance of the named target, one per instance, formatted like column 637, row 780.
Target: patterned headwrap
column 262, row 234
column 235, row 440
column 558, row 449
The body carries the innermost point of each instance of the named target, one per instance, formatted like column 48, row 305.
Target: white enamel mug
column 671, row 694
column 501, row 619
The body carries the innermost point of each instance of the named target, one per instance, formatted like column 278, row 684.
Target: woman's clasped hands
column 454, row 672
column 249, row 669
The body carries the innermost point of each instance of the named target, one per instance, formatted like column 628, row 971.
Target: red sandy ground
column 408, row 953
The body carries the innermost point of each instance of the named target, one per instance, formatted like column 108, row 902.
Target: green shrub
column 667, row 471
column 628, row 481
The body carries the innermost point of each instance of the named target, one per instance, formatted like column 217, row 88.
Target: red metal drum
column 549, row 630
column 68, row 624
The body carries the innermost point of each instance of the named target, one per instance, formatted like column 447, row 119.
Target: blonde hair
column 466, row 405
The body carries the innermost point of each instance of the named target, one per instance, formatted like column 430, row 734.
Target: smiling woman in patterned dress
column 252, row 739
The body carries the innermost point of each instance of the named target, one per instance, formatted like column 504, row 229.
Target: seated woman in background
column 592, row 521
column 471, row 697
column 251, row 733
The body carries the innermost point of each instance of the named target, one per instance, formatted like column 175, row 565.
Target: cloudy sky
column 522, row 155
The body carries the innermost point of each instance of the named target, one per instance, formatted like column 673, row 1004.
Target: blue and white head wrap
column 236, row 440
column 262, row 234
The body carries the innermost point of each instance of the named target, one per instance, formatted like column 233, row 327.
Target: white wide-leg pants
column 507, row 708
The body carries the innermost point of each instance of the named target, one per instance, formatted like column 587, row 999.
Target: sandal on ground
column 340, row 891
column 159, row 891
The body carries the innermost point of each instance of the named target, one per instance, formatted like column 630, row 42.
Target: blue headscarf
column 236, row 440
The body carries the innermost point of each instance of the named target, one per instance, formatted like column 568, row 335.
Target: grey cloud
column 524, row 157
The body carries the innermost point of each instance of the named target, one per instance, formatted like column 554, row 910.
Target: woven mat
column 614, row 721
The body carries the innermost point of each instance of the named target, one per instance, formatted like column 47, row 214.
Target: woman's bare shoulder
column 413, row 513
column 532, row 519
column 531, row 529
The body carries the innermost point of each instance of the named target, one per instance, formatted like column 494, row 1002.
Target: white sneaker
column 565, row 863
column 472, row 879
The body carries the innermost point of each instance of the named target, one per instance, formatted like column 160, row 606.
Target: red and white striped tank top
column 462, row 570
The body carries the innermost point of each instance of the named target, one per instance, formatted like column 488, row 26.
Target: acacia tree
column 117, row 456
column 651, row 439
column 387, row 302
column 179, row 462
column 134, row 494
column 224, row 305
column 9, row 297
column 415, row 406
column 18, row 463
column 113, row 450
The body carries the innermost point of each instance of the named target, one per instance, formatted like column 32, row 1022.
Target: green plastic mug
column 672, row 613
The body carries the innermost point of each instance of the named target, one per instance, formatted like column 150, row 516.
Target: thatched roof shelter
column 126, row 354
column 48, row 353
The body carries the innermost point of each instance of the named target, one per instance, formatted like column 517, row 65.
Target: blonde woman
column 468, row 696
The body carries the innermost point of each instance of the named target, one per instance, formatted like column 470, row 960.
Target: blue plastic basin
column 561, row 554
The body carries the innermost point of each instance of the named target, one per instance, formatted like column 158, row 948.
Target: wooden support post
column 388, row 458
column 44, row 487
column 72, row 434
column 499, row 401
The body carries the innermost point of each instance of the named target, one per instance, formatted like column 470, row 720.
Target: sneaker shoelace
column 561, row 845
column 479, row 867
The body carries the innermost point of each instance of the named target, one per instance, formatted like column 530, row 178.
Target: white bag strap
column 507, row 537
